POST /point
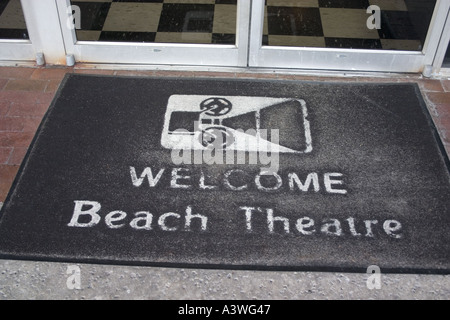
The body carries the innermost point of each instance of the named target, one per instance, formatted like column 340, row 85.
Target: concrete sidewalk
column 43, row 280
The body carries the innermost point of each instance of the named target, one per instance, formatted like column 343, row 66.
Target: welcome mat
column 245, row 174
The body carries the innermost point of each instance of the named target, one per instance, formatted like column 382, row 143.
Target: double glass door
column 360, row 35
column 15, row 42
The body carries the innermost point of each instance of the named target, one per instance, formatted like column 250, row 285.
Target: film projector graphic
column 240, row 123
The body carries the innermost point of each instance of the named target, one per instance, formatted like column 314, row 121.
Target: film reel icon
column 215, row 136
column 216, row 107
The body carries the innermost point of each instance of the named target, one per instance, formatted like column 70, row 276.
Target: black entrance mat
column 177, row 172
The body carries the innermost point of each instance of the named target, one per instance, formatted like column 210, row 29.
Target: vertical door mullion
column 44, row 29
column 243, row 31
column 443, row 46
column 437, row 31
column 67, row 28
column 256, row 31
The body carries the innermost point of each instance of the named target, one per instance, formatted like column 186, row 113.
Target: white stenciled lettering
column 228, row 184
column 176, row 176
column 248, row 216
column 368, row 224
column 271, row 219
column 190, row 216
column 162, row 221
column 86, row 214
column 393, row 228
column 146, row 174
column 203, row 185
column 352, row 227
column 332, row 227
column 329, row 182
column 89, row 213
column 113, row 217
column 276, row 186
column 240, row 180
column 311, row 179
column 305, row 226
column 143, row 221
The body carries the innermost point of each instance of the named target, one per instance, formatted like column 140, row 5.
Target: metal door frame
column 49, row 34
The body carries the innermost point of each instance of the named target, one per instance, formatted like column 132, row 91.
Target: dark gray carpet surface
column 359, row 178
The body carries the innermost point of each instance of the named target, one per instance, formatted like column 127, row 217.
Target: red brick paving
column 50, row 73
column 431, row 86
column 5, row 154
column 446, row 85
column 27, row 109
column 16, row 73
column 26, row 93
column 3, row 83
column 9, row 124
column 26, row 85
column 16, row 139
column 4, row 107
column 438, row 97
column 7, row 174
column 17, row 156
column 52, row 86
column 25, row 96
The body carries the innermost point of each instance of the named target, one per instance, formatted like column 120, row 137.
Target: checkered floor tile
column 302, row 23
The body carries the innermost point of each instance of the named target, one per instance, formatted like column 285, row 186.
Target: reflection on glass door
column 158, row 21
column 401, row 25
column 12, row 21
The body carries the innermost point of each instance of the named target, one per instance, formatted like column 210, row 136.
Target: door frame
column 16, row 50
column 344, row 59
column 159, row 53
column 442, row 50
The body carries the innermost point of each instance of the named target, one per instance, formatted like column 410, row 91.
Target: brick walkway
column 26, row 93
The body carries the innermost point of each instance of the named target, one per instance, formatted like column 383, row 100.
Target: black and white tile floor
column 303, row 23
column 200, row 21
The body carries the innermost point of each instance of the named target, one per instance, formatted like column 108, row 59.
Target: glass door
column 15, row 41
column 174, row 32
column 363, row 35
column 353, row 35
